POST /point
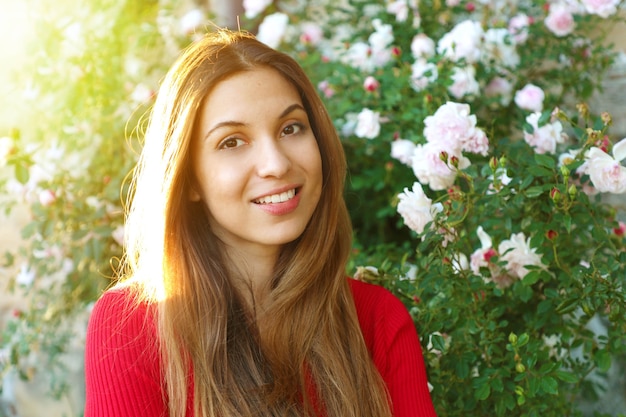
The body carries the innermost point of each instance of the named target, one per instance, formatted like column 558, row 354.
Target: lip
column 280, row 190
column 280, row 209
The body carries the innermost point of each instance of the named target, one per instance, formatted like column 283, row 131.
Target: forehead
column 257, row 88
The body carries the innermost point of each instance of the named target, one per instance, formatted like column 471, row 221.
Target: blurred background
column 76, row 82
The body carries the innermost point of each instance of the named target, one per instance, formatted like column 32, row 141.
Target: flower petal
column 619, row 150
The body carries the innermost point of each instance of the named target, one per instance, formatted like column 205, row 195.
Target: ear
column 194, row 195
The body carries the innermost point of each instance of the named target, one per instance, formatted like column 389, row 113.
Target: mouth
column 277, row 198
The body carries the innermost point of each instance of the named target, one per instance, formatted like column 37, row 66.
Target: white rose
column 26, row 276
column 6, row 147
column 422, row 46
column 463, row 82
column 416, row 208
column 498, row 48
column 118, row 235
column 462, row 42
column 368, row 124
column 191, row 21
column 255, row 7
column 272, row 29
column 518, row 254
column 602, row 8
column 422, row 74
column 402, row 150
column 399, row 8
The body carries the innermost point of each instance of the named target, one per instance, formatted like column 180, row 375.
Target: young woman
column 234, row 300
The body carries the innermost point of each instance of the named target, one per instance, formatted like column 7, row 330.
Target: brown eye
column 230, row 143
column 292, row 129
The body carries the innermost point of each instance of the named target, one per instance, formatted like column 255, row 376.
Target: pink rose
column 463, row 82
column 481, row 257
column 518, row 27
column 543, row 139
column 530, row 98
column 560, row 20
column 605, row 171
column 47, row 197
column 324, row 87
column 453, row 128
column 371, row 84
column 430, row 169
column 500, row 87
column 312, row 33
column 477, row 143
column 620, row 230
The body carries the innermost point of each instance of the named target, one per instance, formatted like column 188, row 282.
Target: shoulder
column 119, row 306
column 381, row 314
column 122, row 358
column 119, row 322
column 371, row 301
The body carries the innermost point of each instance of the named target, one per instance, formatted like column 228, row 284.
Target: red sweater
column 123, row 376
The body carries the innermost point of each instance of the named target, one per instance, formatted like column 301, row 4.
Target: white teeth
column 277, row 198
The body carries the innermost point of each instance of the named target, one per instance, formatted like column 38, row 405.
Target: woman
column 236, row 301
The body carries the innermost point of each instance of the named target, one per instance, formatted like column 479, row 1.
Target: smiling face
column 256, row 161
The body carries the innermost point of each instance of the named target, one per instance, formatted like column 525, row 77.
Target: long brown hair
column 305, row 354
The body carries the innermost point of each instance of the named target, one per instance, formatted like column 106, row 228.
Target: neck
column 252, row 272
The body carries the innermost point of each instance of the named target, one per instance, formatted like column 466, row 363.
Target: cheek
column 219, row 185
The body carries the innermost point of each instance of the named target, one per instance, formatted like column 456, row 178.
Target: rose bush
column 476, row 187
column 81, row 96
column 476, row 177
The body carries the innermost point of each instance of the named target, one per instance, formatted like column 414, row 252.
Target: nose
column 272, row 160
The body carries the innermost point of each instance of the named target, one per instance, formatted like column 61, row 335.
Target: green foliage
column 92, row 70
column 496, row 343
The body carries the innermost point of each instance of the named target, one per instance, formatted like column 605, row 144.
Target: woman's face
column 256, row 161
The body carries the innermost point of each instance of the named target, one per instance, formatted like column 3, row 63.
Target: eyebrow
column 232, row 123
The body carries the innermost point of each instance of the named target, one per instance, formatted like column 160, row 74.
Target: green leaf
column 532, row 277
column 535, row 191
column 566, row 376
column 567, row 306
column 567, row 223
column 603, row 359
column 523, row 339
column 549, row 385
column 21, row 173
column 545, row 161
column 539, row 171
column 483, row 392
column 544, row 119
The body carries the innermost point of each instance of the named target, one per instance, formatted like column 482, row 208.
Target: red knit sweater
column 123, row 376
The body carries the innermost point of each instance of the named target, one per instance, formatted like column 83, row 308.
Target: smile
column 276, row 198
